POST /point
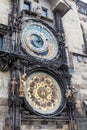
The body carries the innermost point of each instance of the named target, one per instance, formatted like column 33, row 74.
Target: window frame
column 27, row 3
column 37, row 1
column 1, row 44
column 45, row 9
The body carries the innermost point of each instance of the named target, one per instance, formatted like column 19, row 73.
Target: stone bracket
column 62, row 6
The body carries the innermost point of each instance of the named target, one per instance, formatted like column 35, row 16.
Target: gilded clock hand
column 41, row 27
column 38, row 41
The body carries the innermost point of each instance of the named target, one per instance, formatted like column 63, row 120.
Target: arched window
column 84, row 32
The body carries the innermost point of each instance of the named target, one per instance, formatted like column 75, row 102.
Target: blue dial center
column 36, row 41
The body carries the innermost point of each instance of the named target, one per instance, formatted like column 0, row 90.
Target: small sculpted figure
column 13, row 86
column 22, row 83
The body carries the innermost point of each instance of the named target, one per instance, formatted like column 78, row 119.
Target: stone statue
column 74, row 92
column 68, row 93
column 22, row 82
column 13, row 86
column 37, row 10
column 71, row 93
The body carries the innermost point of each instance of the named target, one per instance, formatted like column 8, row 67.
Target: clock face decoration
column 39, row 41
column 43, row 93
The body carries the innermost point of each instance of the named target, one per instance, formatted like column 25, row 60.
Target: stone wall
column 5, row 9
column 79, row 77
column 44, row 126
column 4, row 80
column 73, row 33
column 83, row 21
column 74, row 42
column 42, row 3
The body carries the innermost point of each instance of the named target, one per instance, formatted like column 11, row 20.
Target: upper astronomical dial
column 39, row 41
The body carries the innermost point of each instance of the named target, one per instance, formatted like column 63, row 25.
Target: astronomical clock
column 34, row 54
column 44, row 94
column 44, row 87
column 38, row 41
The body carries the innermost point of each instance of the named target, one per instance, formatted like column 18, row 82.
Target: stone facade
column 77, row 60
column 72, row 29
column 5, row 9
column 42, row 3
column 74, row 41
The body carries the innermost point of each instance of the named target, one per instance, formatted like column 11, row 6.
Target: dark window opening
column 82, row 7
column 85, row 40
column 85, row 43
column 1, row 41
column 27, row 6
column 44, row 12
column 36, row 1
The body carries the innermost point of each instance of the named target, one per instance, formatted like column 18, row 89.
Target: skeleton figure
column 22, row 82
column 13, row 86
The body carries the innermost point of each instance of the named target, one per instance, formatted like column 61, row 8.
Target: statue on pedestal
column 13, row 86
column 22, row 82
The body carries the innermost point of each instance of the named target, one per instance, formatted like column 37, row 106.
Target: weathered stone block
column 5, row 9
